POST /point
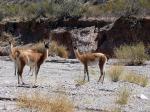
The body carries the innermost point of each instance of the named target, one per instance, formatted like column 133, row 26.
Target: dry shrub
column 6, row 37
column 116, row 110
column 91, row 10
column 135, row 78
column 55, row 49
column 135, row 54
column 41, row 103
column 38, row 47
column 80, row 82
column 123, row 97
column 61, row 51
column 115, row 72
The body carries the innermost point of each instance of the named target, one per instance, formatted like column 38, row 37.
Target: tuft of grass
column 55, row 49
column 123, row 97
column 80, row 82
column 38, row 47
column 62, row 52
column 135, row 54
column 137, row 79
column 39, row 102
column 115, row 73
column 116, row 110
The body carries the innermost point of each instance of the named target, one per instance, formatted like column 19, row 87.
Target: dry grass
column 116, row 110
column 55, row 49
column 135, row 54
column 80, row 82
column 41, row 103
column 38, row 47
column 123, row 97
column 137, row 79
column 115, row 73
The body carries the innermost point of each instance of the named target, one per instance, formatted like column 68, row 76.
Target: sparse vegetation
column 123, row 97
column 115, row 72
column 80, row 82
column 116, row 110
column 132, row 54
column 135, row 78
column 42, row 103
column 49, row 8
column 118, row 7
column 38, row 46
column 53, row 8
column 55, row 49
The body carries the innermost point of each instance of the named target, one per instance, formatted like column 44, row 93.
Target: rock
column 84, row 39
column 142, row 96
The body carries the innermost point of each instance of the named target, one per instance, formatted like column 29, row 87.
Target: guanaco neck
column 47, row 52
column 11, row 48
column 77, row 54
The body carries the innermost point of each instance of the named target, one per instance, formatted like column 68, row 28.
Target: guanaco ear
column 10, row 42
column 46, row 44
column 74, row 47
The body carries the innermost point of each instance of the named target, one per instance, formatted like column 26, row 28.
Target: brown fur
column 14, row 52
column 31, row 58
column 86, row 58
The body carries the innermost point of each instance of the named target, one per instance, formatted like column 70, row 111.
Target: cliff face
column 125, row 30
column 81, row 32
column 58, row 30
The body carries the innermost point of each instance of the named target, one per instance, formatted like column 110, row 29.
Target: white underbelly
column 30, row 64
column 93, row 63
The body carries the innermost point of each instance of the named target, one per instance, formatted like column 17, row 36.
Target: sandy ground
column 62, row 78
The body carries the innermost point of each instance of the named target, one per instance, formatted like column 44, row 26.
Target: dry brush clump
column 132, row 54
column 123, row 96
column 55, row 49
column 132, row 77
column 43, row 103
column 116, row 110
column 115, row 73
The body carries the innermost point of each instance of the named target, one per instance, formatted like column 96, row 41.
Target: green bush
column 133, row 54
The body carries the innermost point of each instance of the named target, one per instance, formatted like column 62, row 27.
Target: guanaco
column 31, row 58
column 88, row 59
column 13, row 57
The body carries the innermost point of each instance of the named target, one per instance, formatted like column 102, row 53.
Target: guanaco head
column 46, row 45
column 75, row 48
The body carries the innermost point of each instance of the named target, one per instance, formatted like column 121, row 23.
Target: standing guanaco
column 31, row 58
column 88, row 59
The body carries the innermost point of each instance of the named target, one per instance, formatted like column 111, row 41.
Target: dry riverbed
column 62, row 77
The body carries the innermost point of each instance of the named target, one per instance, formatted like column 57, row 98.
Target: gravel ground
column 63, row 76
